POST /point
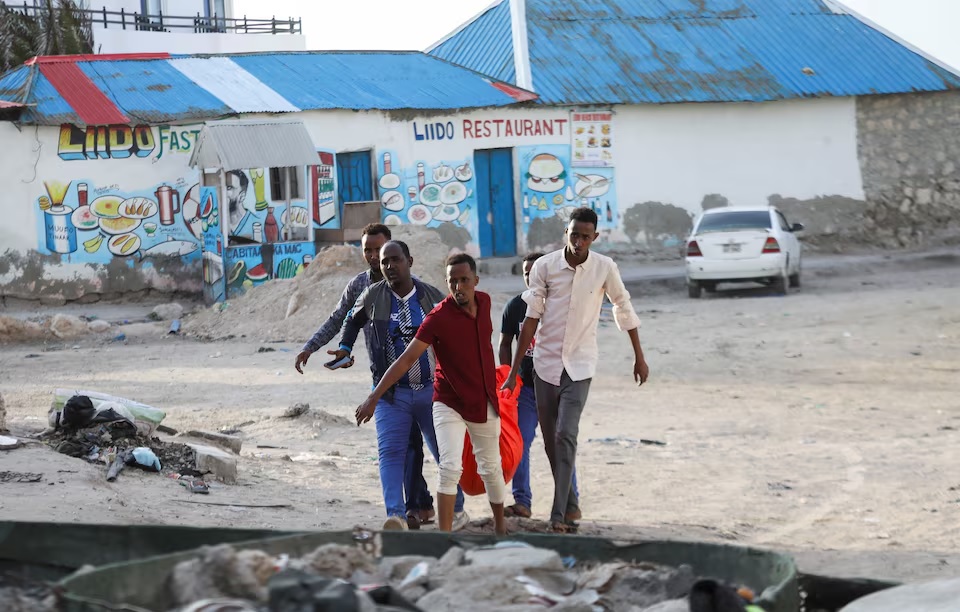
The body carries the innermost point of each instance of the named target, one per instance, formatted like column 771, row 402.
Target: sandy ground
column 825, row 423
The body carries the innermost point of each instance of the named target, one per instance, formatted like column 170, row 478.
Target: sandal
column 426, row 516
column 413, row 519
column 558, row 527
column 517, row 510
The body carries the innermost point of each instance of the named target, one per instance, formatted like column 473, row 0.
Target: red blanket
column 511, row 442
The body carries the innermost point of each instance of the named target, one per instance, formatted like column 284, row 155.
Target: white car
column 743, row 245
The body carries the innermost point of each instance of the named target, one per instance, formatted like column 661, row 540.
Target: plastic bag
column 146, row 418
column 511, row 442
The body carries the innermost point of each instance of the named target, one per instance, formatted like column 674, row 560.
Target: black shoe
column 413, row 520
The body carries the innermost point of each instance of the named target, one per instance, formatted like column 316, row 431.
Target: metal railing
column 199, row 24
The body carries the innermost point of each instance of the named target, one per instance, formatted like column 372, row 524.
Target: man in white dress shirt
column 564, row 299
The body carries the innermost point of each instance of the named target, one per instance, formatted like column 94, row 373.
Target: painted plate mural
column 119, row 225
column 124, row 245
column 138, row 208
column 84, row 219
column 106, row 207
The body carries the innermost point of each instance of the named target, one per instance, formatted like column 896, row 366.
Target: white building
column 187, row 27
column 645, row 111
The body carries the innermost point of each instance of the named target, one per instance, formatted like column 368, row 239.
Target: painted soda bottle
column 271, row 230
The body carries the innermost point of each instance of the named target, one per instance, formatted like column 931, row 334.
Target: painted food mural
column 427, row 194
column 249, row 266
column 551, row 189
column 87, row 223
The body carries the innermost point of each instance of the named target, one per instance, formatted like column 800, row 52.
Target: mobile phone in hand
column 338, row 363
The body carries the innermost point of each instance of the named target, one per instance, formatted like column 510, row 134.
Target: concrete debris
column 167, row 312
column 222, row 571
column 211, row 460
column 67, row 327
column 230, row 443
column 298, row 409
column 8, row 443
column 510, row 576
column 98, row 326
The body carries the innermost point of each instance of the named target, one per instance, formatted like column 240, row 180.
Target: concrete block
column 220, row 463
column 515, row 559
column 231, row 443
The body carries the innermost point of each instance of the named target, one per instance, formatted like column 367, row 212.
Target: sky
column 415, row 24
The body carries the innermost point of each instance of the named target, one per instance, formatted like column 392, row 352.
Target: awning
column 241, row 144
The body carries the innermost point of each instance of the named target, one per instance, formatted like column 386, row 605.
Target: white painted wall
column 678, row 153
column 112, row 40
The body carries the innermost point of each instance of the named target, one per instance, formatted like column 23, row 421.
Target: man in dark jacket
column 395, row 307
column 373, row 237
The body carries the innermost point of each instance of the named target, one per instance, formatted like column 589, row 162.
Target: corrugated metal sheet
column 371, row 80
column 154, row 91
column 239, row 89
column 664, row 51
column 494, row 56
column 232, row 145
column 85, row 98
column 187, row 88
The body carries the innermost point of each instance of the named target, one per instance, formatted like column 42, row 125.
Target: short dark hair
column 533, row 256
column 371, row 229
column 585, row 215
column 461, row 258
column 244, row 181
column 400, row 243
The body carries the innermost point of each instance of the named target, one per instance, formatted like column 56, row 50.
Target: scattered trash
column 170, row 431
column 174, row 327
column 628, row 442
column 266, row 349
column 779, row 486
column 20, row 477
column 9, row 443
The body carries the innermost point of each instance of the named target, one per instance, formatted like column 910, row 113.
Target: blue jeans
column 394, row 420
column 528, row 421
column 418, row 493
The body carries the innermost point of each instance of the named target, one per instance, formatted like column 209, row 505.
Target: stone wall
column 909, row 150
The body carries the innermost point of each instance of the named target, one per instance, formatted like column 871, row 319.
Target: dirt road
column 828, row 420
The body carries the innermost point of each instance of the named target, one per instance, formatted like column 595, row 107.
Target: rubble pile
column 506, row 576
column 20, row 595
column 291, row 310
column 57, row 327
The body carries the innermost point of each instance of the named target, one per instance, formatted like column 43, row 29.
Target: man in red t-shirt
column 464, row 389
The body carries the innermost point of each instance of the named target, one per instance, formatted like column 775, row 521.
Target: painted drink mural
column 269, row 237
column 432, row 194
column 550, row 189
column 89, row 223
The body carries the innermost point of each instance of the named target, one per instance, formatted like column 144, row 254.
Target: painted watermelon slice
column 207, row 209
column 287, row 268
column 257, row 273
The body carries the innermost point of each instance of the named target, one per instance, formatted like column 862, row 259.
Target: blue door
column 495, row 205
column 354, row 177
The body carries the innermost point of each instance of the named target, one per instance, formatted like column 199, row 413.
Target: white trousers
column 485, row 437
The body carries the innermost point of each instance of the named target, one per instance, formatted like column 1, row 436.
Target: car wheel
column 779, row 284
column 795, row 279
column 709, row 287
column 693, row 289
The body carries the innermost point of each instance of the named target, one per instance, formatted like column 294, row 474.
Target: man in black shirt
column 513, row 315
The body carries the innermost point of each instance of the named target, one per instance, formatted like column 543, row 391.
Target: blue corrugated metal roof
column 663, row 51
column 372, row 80
column 495, row 56
column 183, row 88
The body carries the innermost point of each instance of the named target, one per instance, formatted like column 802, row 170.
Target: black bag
column 78, row 412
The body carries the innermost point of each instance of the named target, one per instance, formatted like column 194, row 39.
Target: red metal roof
column 520, row 95
column 86, row 99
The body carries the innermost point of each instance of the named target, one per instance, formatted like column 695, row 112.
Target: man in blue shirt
column 419, row 502
column 395, row 307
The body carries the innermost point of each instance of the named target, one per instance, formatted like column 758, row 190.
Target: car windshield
column 734, row 220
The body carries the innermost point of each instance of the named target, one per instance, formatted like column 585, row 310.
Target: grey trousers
column 559, row 409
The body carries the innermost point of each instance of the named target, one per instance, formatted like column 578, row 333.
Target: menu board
column 592, row 138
